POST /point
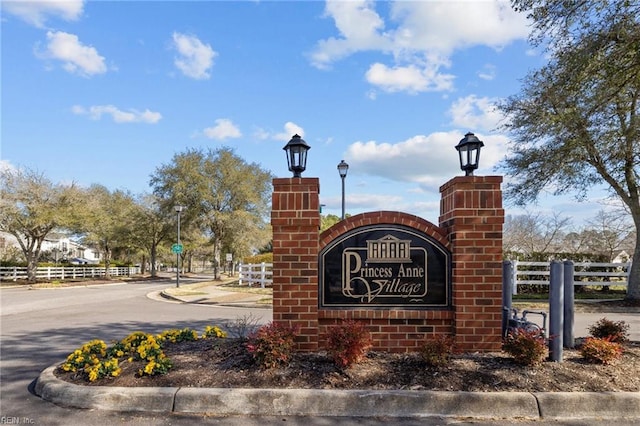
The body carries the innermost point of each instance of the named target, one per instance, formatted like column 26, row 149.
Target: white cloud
column 427, row 161
column 289, row 130
column 420, row 159
column 422, row 41
column 223, row 129
column 131, row 116
column 411, row 78
column 36, row 13
column 76, row 57
column 196, row 58
column 6, row 166
column 446, row 26
column 488, row 72
column 359, row 26
column 475, row 113
column 365, row 202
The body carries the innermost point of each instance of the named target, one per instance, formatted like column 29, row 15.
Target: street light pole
column 342, row 169
column 178, row 210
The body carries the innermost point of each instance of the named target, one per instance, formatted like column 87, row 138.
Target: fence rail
column 15, row 273
column 585, row 273
column 256, row 273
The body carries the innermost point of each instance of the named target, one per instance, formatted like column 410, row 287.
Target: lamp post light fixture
column 296, row 150
column 177, row 248
column 469, row 152
column 343, row 168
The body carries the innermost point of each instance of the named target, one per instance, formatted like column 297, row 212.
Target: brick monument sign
column 405, row 278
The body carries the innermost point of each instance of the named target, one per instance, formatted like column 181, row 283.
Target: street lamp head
column 179, row 209
column 297, row 155
column 469, row 152
column 343, row 168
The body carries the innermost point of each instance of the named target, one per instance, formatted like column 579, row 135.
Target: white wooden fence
column 256, row 273
column 585, row 273
column 14, row 273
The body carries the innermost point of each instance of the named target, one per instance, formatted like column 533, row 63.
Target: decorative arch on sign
column 384, row 260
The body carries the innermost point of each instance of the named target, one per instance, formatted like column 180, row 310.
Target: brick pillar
column 472, row 215
column 295, row 219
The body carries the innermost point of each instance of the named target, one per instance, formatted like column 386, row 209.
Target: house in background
column 55, row 248
column 60, row 248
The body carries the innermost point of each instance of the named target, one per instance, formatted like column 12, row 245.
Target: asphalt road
column 39, row 328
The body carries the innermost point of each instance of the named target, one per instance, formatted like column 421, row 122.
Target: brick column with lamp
column 472, row 215
column 295, row 220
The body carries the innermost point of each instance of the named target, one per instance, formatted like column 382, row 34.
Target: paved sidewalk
column 215, row 293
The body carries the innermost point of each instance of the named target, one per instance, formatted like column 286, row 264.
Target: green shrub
column 603, row 351
column 614, row 331
column 272, row 344
column 526, row 347
column 437, row 351
column 348, row 343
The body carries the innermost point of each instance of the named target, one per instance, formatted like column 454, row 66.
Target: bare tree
column 534, row 233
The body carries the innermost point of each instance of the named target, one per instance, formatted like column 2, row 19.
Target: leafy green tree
column 31, row 207
column 327, row 221
column 223, row 194
column 109, row 221
column 152, row 226
column 576, row 121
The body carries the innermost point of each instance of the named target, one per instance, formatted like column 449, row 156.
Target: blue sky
column 106, row 92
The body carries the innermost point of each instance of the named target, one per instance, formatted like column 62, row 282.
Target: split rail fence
column 585, row 273
column 256, row 273
column 15, row 273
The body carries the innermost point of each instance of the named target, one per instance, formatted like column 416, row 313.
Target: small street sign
column 176, row 248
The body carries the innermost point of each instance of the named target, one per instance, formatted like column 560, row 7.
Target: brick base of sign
column 470, row 226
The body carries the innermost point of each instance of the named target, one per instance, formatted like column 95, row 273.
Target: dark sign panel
column 385, row 266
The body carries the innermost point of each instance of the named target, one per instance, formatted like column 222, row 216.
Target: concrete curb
column 585, row 405
column 52, row 389
column 341, row 403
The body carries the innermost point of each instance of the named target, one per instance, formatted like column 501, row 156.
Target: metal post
column 515, row 277
column 343, row 168
column 507, row 288
column 342, row 177
column 178, row 254
column 568, row 338
column 556, row 310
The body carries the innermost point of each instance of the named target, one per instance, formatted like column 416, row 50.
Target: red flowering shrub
column 436, row 352
column 615, row 331
column 272, row 344
column 526, row 347
column 603, row 351
column 348, row 343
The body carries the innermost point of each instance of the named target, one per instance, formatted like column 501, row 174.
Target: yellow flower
column 93, row 375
